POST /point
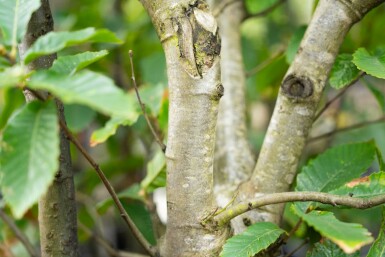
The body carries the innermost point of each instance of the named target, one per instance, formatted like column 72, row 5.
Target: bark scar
column 297, row 87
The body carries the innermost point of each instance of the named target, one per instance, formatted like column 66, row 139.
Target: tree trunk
column 298, row 100
column 57, row 208
column 189, row 35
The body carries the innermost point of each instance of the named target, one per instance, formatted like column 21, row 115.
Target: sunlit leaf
column 14, row 18
column 53, row 42
column 29, row 155
column 348, row 236
column 88, row 88
column 156, row 173
column 12, row 76
column 371, row 63
column 253, row 240
column 72, row 63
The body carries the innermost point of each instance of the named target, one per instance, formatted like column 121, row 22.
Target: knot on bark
column 297, row 87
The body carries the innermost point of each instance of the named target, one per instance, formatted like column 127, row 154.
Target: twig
column 147, row 246
column 19, row 234
column 266, row 11
column 143, row 107
column 265, row 63
column 275, row 198
column 338, row 95
column 294, row 229
column 356, row 126
column 297, row 248
column 106, row 245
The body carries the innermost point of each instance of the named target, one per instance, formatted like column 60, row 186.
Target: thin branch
column 297, row 248
column 294, row 229
column 338, row 95
column 266, row 11
column 142, row 105
column 106, row 245
column 19, row 234
column 335, row 200
column 356, row 126
column 147, row 246
column 265, row 63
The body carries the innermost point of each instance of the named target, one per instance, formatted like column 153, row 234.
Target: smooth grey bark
column 234, row 160
column 298, row 100
column 189, row 35
column 57, row 208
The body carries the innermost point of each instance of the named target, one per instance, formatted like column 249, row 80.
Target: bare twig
column 275, row 198
column 356, row 126
column 338, row 95
column 147, row 246
column 266, row 63
column 294, row 229
column 19, row 234
column 266, row 11
column 142, row 105
column 106, row 245
column 297, row 248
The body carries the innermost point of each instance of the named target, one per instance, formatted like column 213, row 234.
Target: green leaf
column 53, row 42
column 344, row 72
column 72, row 63
column 14, row 18
column 348, row 236
column 156, row 173
column 255, row 239
column 258, row 6
column 365, row 187
column 378, row 94
column 102, row 134
column 4, row 63
column 378, row 247
column 11, row 76
column 13, row 99
column 294, row 43
column 334, row 168
column 78, row 117
column 329, row 249
column 88, row 88
column 372, row 64
column 152, row 96
column 29, row 155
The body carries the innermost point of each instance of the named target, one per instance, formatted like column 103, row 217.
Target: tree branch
column 138, row 235
column 143, row 107
column 336, row 200
column 19, row 234
column 356, row 126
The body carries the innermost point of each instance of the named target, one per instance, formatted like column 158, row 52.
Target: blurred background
column 269, row 45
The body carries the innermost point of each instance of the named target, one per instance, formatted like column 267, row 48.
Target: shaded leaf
column 102, row 134
column 294, row 43
column 156, row 173
column 14, row 18
column 78, row 117
column 88, row 88
column 378, row 247
column 29, row 155
column 372, row 64
column 72, row 63
column 329, row 249
column 348, row 236
column 53, row 42
column 334, row 168
column 253, row 240
column 343, row 72
column 258, row 6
